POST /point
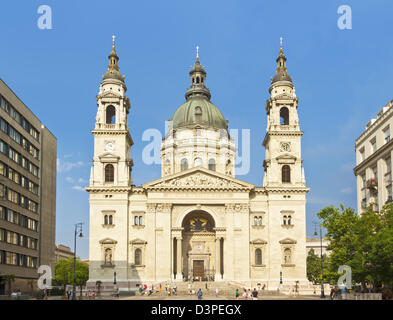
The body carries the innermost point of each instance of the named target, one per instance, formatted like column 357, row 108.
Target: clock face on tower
column 110, row 146
column 285, row 146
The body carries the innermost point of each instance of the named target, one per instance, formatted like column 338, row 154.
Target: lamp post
column 78, row 228
column 322, row 287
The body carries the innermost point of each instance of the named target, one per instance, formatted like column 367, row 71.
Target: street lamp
column 78, row 228
column 320, row 235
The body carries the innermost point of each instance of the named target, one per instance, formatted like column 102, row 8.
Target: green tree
column 64, row 272
column 363, row 242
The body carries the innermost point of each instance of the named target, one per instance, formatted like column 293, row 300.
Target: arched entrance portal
column 199, row 247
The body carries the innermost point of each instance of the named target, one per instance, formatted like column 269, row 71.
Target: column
column 218, row 274
column 173, row 257
column 179, row 267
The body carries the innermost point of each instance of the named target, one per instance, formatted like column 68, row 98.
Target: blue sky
column 342, row 79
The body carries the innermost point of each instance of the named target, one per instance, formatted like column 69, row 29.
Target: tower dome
column 198, row 109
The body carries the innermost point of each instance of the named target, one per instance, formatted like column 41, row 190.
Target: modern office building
column 27, row 192
column 374, row 152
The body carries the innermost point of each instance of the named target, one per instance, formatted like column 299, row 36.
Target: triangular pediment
column 283, row 96
column 286, row 158
column 108, row 156
column 258, row 241
column 198, row 178
column 138, row 241
column 110, row 94
column 288, row 241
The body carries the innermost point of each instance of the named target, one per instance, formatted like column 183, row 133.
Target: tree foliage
column 64, row 272
column 363, row 242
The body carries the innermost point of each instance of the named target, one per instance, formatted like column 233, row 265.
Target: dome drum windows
column 212, row 164
column 183, row 164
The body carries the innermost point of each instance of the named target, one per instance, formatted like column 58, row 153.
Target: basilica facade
column 197, row 222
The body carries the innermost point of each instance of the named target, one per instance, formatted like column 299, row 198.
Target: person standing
column 249, row 295
column 237, row 293
column 255, row 294
column 200, row 294
column 245, row 294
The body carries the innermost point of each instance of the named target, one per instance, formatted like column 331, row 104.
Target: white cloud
column 80, row 180
column 67, row 166
column 70, row 180
column 346, row 190
column 78, row 188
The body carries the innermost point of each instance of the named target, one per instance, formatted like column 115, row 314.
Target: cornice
column 113, row 189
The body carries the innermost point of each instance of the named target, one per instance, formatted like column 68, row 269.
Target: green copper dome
column 199, row 110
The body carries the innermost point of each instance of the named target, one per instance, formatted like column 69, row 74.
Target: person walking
column 200, row 294
column 237, row 293
column 255, row 294
column 249, row 295
column 245, row 294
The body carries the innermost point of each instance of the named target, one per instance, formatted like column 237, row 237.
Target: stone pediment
column 110, row 94
column 108, row 157
column 286, row 158
column 258, row 241
column 288, row 241
column 138, row 241
column 284, row 96
column 108, row 241
column 199, row 179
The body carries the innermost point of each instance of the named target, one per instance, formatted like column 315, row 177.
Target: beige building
column 27, row 192
column 62, row 252
column 374, row 151
column 197, row 222
column 315, row 244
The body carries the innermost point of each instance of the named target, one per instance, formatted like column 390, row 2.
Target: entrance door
column 198, row 269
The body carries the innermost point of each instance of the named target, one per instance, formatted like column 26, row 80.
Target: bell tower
column 112, row 161
column 283, row 161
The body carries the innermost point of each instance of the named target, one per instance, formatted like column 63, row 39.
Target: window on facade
column 141, row 221
column 109, row 173
column 284, row 220
column 286, row 173
column 198, row 114
column 136, row 220
column 184, row 164
column 106, row 219
column 386, row 134
column 289, row 220
column 258, row 257
column 212, row 164
column 108, row 256
column 260, row 221
column 110, row 219
column 197, row 162
column 284, row 116
column 287, row 256
column 255, row 221
column 138, row 257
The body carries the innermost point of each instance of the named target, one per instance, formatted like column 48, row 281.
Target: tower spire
column 281, row 71
column 197, row 79
column 113, row 67
column 197, row 53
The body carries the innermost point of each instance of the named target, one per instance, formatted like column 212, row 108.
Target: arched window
column 110, row 115
column 136, row 220
column 110, row 219
column 260, row 221
column 255, row 221
column 286, row 173
column 212, row 164
column 141, row 221
column 289, row 220
column 287, row 256
column 202, row 79
column 106, row 219
column 258, row 257
column 108, row 256
column 138, row 257
column 197, row 162
column 197, row 80
column 109, row 173
column 184, row 164
column 284, row 220
column 284, row 116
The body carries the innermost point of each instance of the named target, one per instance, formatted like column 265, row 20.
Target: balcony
column 372, row 185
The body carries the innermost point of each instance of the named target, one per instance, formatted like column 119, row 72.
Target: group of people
column 168, row 289
column 247, row 294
